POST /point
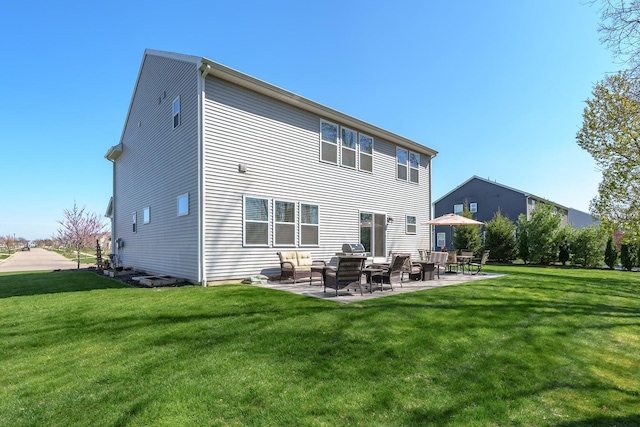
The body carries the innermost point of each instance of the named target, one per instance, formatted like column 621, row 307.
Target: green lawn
column 87, row 256
column 541, row 346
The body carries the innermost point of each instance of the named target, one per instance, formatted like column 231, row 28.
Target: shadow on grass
column 604, row 421
column 39, row 283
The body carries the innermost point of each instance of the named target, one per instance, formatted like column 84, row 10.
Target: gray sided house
column 217, row 171
column 486, row 197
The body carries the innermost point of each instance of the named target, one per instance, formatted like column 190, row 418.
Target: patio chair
column 478, row 265
column 452, row 261
column 394, row 271
column 348, row 274
column 439, row 259
column 424, row 255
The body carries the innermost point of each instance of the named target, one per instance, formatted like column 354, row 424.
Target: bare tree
column 79, row 228
column 9, row 241
column 620, row 31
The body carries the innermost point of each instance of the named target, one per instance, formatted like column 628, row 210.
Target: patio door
column 373, row 233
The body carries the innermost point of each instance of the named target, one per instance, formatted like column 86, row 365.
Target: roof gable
column 524, row 193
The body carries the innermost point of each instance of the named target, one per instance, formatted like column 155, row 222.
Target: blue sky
column 497, row 87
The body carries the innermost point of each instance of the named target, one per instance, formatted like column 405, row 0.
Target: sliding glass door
column 373, row 234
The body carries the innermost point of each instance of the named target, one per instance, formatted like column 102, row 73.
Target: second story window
column 414, row 167
column 176, row 112
column 183, row 204
column 328, row 142
column 457, row 209
column 349, row 145
column 402, row 157
column 366, row 153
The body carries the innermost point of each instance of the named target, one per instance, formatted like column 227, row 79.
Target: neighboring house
column 217, row 171
column 486, row 197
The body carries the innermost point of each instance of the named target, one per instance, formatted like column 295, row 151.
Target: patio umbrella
column 451, row 220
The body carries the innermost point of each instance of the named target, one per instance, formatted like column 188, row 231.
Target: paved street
column 37, row 259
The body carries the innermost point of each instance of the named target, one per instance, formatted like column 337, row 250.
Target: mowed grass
column 538, row 347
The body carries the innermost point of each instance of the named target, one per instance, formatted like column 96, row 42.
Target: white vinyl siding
column 159, row 162
column 284, row 143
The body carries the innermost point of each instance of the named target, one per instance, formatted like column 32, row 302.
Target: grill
column 353, row 250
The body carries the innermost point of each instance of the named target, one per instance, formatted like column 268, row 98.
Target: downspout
column 113, row 209
column 432, row 206
column 202, row 265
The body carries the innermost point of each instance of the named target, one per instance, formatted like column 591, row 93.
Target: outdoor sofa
column 297, row 265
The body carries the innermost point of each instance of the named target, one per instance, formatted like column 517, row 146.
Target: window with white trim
column 457, row 209
column 402, row 157
column 176, row 112
column 309, row 225
column 328, row 142
column 348, row 138
column 366, row 153
column 414, row 167
column 441, row 240
column 284, row 223
column 411, row 224
column 134, row 219
column 473, row 207
column 256, row 221
column 145, row 216
column 183, row 204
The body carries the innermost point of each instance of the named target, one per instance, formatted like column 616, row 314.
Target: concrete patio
column 315, row 289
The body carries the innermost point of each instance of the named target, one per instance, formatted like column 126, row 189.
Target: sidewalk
column 38, row 260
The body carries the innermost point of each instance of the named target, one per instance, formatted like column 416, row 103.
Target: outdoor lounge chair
column 394, row 272
column 396, row 269
column 478, row 265
column 347, row 275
